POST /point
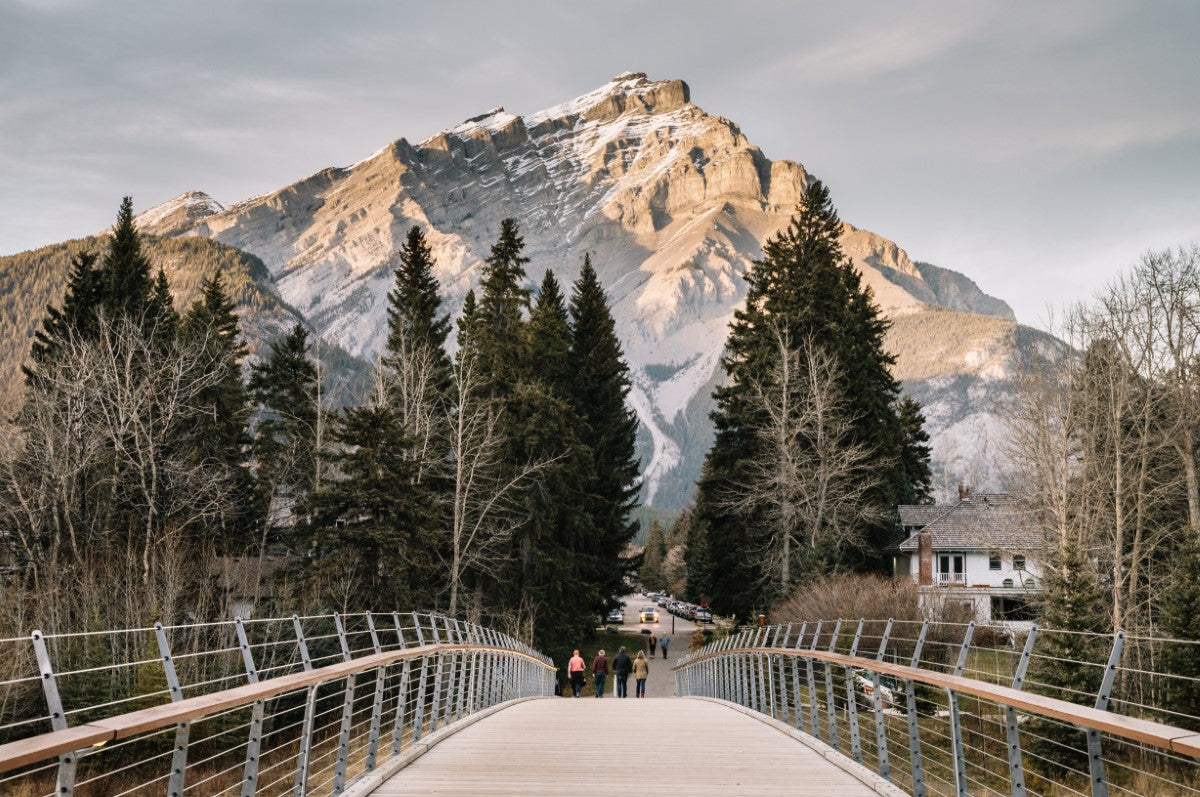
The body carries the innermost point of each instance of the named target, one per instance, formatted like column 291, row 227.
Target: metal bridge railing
column 289, row 706
column 958, row 710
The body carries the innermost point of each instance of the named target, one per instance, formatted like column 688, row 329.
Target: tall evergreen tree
column 371, row 512
column 550, row 338
column 162, row 317
column 916, row 482
column 499, row 330
column 809, row 290
column 285, row 446
column 651, row 575
column 600, row 387
column 77, row 317
column 127, row 286
column 414, row 307
column 221, row 437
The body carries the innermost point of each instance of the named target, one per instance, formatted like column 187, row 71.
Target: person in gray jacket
column 663, row 642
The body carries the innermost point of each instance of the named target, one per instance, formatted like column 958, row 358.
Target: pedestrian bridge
column 402, row 704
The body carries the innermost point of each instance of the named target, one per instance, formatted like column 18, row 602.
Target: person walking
column 622, row 666
column 641, row 671
column 600, row 673
column 653, row 643
column 663, row 643
column 575, row 672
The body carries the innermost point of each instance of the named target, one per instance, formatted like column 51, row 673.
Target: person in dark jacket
column 600, row 673
column 622, row 665
column 653, row 644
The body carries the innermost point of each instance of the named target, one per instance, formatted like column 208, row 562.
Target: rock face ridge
column 672, row 203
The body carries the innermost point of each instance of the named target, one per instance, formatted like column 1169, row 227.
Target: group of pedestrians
column 622, row 666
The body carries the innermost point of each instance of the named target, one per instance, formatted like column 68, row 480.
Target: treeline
column 814, row 445
column 146, row 477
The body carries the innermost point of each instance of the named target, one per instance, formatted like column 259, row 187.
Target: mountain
column 31, row 280
column 672, row 203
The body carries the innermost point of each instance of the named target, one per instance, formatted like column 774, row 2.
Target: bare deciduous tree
column 811, row 483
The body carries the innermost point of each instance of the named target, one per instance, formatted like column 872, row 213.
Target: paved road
column 661, row 682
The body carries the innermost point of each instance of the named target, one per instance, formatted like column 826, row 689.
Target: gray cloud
column 1038, row 149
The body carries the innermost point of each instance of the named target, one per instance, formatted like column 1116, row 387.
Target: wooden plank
column 668, row 745
column 49, row 745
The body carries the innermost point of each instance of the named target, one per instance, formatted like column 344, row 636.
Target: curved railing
column 296, row 706
column 950, row 716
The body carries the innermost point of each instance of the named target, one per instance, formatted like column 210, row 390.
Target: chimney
column 964, row 492
column 925, row 558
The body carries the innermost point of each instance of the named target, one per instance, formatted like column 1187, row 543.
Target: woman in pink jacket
column 575, row 672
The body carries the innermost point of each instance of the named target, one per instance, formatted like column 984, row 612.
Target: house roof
column 920, row 515
column 988, row 521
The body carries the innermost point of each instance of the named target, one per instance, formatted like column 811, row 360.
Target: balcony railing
column 951, row 578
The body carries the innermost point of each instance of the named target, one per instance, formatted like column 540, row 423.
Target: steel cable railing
column 273, row 706
column 960, row 709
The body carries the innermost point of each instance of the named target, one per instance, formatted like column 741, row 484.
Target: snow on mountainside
column 672, row 203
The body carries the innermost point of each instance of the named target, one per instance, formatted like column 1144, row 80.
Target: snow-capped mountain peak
column 672, row 203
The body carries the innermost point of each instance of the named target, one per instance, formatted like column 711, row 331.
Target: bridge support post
column 767, row 673
column 914, row 728
column 435, row 707
column 1095, row 753
column 250, row 770
column 377, row 701
column 830, row 705
column 813, row 712
column 343, row 752
column 881, row 751
column 67, row 762
column 1016, row 767
column 418, row 723
column 797, row 713
column 852, row 700
column 175, row 780
column 401, row 693
column 960, row 759
column 452, row 666
column 300, row 787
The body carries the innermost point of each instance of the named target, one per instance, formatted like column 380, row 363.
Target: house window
column 1018, row 562
column 951, row 569
column 994, row 562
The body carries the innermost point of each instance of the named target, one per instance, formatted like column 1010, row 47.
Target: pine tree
column 221, row 437
column 372, row 512
column 126, row 283
column 414, row 305
column 77, row 318
column 1180, row 620
column 1065, row 667
column 916, row 484
column 807, row 289
column 600, row 387
column 651, row 576
column 550, row 338
column 285, row 444
column 499, row 333
column 161, row 314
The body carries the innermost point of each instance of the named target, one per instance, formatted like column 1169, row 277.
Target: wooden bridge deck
column 651, row 746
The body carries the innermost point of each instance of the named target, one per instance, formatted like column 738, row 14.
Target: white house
column 982, row 550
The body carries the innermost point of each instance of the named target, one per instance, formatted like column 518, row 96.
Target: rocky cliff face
column 671, row 202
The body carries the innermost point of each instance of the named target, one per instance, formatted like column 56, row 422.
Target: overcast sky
column 1039, row 148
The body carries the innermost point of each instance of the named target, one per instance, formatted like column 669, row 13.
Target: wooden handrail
column 49, row 745
column 1168, row 737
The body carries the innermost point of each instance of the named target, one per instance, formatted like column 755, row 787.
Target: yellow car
column 648, row 614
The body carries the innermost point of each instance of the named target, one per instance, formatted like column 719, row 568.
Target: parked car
column 649, row 614
column 703, row 616
column 615, row 616
column 887, row 687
